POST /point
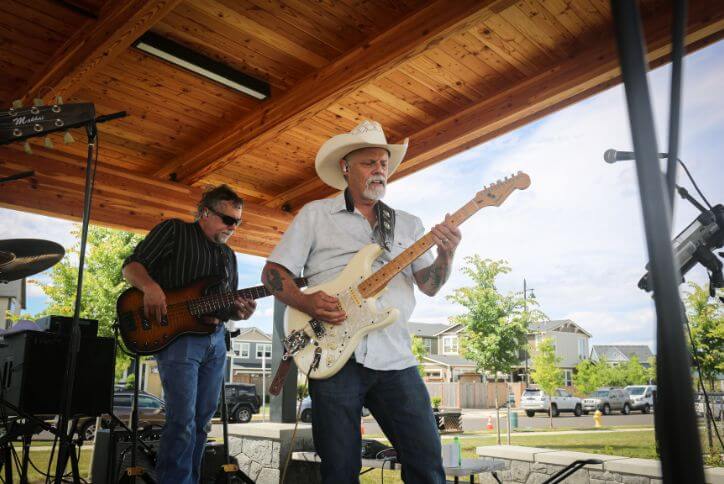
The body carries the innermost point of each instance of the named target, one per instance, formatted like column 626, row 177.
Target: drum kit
column 20, row 258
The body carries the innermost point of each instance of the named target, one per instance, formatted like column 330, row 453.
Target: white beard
column 374, row 191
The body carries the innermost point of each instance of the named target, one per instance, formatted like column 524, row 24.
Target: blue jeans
column 191, row 369
column 399, row 402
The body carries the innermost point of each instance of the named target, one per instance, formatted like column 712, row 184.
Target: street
column 477, row 419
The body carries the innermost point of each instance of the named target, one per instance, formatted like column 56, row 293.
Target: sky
column 576, row 235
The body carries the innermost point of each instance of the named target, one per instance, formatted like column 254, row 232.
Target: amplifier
column 32, row 373
column 63, row 324
column 112, row 456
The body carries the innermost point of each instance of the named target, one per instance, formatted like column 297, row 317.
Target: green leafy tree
column 634, row 372
column 102, row 280
column 706, row 318
column 495, row 325
column 419, row 350
column 589, row 376
column 546, row 372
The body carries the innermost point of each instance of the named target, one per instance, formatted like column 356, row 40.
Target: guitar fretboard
column 494, row 195
column 215, row 302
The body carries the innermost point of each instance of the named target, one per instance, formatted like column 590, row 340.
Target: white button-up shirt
column 320, row 242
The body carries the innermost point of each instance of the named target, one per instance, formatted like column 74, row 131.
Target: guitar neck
column 215, row 302
column 379, row 280
column 493, row 195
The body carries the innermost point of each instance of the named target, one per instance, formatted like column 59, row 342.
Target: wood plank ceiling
column 449, row 75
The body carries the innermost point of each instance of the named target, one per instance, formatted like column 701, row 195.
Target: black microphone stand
column 74, row 343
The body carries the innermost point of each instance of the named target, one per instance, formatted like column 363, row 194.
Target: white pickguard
column 339, row 342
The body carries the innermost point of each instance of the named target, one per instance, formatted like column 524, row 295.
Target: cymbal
column 24, row 257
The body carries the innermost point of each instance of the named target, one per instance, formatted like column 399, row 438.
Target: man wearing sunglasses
column 173, row 255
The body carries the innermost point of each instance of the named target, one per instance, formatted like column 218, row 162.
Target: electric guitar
column 321, row 349
column 184, row 308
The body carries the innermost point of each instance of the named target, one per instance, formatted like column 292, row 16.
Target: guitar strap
column 385, row 229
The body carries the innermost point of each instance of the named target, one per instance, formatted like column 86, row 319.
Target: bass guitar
column 184, row 308
column 321, row 349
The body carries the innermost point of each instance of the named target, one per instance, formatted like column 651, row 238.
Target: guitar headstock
column 19, row 123
column 496, row 193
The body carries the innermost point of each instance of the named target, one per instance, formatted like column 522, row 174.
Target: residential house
column 569, row 340
column 443, row 362
column 252, row 350
column 617, row 354
column 12, row 300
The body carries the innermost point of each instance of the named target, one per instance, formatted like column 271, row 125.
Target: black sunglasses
column 227, row 219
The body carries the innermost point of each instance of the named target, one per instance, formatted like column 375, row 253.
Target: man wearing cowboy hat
column 382, row 375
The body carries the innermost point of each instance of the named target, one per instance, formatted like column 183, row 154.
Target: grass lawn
column 629, row 444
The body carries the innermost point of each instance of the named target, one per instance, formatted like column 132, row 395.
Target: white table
column 468, row 467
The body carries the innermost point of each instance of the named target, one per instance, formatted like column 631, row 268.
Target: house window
column 436, row 374
column 582, row 353
column 427, row 343
column 450, row 345
column 263, row 348
column 568, row 377
column 241, row 350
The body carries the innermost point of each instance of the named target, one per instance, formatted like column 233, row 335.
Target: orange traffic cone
column 490, row 423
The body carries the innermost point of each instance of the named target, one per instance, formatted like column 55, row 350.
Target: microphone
column 612, row 156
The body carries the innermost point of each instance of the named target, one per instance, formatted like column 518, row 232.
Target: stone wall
column 532, row 465
column 261, row 450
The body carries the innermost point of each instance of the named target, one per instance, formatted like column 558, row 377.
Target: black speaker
column 112, row 454
column 32, row 372
column 213, row 459
column 64, row 324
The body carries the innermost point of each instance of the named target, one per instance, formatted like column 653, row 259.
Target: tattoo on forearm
column 274, row 281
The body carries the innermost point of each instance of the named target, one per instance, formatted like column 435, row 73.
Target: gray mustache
column 376, row 179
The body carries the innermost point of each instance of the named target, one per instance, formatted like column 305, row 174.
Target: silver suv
column 607, row 400
column 535, row 400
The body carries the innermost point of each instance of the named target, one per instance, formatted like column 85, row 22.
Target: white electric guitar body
column 321, row 349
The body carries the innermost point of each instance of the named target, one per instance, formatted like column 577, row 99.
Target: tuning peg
column 68, row 138
column 38, row 102
column 18, row 103
column 26, row 148
column 48, row 143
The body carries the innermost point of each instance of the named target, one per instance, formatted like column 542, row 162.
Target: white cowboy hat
column 367, row 134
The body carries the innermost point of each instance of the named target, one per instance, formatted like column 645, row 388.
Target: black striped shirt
column 176, row 253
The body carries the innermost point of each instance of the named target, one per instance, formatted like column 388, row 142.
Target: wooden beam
column 590, row 71
column 558, row 86
column 422, row 30
column 120, row 199
column 95, row 45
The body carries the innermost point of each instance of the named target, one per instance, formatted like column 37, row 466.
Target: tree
column 546, row 372
column 589, row 376
column 706, row 318
column 495, row 325
column 419, row 350
column 102, row 280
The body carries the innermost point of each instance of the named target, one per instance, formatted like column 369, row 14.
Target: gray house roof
column 449, row 360
column 556, row 324
column 622, row 352
column 427, row 330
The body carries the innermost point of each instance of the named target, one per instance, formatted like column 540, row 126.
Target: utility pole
column 525, row 308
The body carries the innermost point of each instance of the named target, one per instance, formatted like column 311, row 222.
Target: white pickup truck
column 535, row 400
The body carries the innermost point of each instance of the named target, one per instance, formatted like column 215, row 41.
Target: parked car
column 242, row 402
column 151, row 413
column 306, row 410
column 643, row 397
column 607, row 400
column 716, row 402
column 535, row 400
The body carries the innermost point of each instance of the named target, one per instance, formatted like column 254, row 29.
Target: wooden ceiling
column 447, row 74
